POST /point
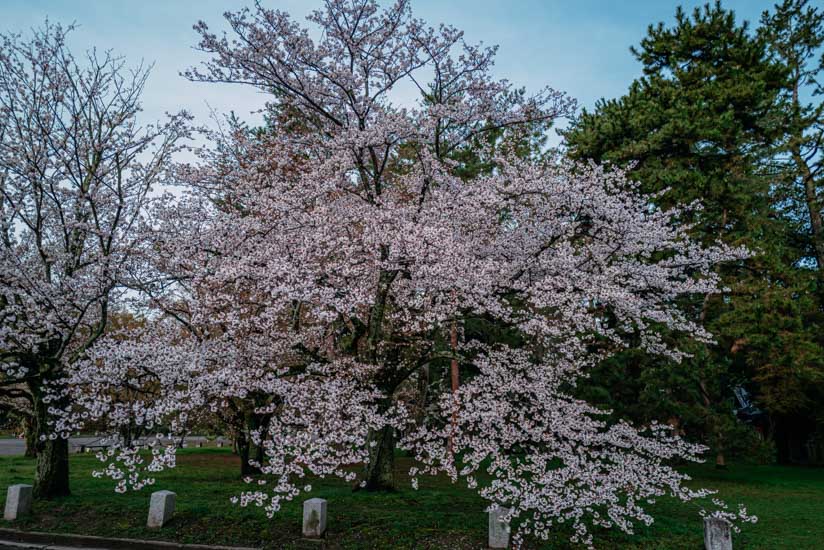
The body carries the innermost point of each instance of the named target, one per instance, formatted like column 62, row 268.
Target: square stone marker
column 18, row 502
column 498, row 528
column 161, row 509
column 717, row 534
column 314, row 518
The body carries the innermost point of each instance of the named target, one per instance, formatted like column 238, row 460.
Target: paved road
column 16, row 447
column 13, row 545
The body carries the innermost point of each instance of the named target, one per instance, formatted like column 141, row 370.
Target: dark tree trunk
column 51, row 478
column 379, row 470
column 52, row 475
column 248, row 451
column 31, row 437
column 130, row 433
column 808, row 179
column 379, row 473
column 422, row 394
column 455, row 377
column 259, row 454
column 246, row 447
column 242, row 445
column 816, row 221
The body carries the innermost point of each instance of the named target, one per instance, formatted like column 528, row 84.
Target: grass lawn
column 788, row 501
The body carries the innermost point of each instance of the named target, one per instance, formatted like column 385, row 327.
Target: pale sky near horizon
column 580, row 47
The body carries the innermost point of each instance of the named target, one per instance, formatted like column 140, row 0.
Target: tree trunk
column 130, row 433
column 259, row 454
column 816, row 222
column 242, row 445
column 51, row 477
column 246, row 447
column 675, row 422
column 379, row 473
column 30, row 434
column 807, row 179
column 422, row 394
column 247, row 450
column 813, row 206
column 455, row 381
column 379, row 470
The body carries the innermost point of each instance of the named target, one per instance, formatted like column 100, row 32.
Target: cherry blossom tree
column 75, row 171
column 330, row 259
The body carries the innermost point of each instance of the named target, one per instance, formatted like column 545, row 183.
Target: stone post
column 18, row 502
column 717, row 534
column 161, row 509
column 314, row 518
column 498, row 528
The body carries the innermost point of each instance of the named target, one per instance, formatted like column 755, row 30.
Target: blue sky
column 578, row 46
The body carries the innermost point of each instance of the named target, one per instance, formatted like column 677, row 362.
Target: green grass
column 788, row 501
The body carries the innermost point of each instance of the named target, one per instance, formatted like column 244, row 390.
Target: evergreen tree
column 702, row 124
column 790, row 363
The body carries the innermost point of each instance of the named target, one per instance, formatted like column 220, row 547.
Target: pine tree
column 702, row 124
column 790, row 364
